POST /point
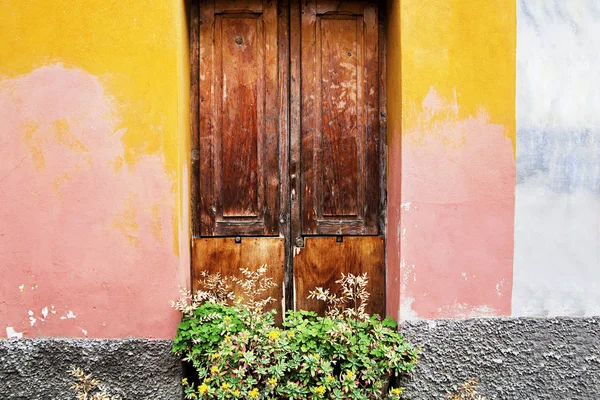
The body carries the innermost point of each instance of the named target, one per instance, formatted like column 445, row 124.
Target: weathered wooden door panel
column 284, row 184
column 239, row 118
column 225, row 256
column 323, row 259
column 340, row 118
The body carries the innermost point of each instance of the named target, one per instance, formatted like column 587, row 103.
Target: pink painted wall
column 86, row 241
column 457, row 212
column 93, row 168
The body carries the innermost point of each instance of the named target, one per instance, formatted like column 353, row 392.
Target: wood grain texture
column 195, row 118
column 206, row 162
column 382, row 120
column 224, row 256
column 308, row 144
column 295, row 119
column 283, row 15
column 339, row 71
column 239, row 118
column 239, row 95
column 322, row 261
column 371, row 119
column 340, row 118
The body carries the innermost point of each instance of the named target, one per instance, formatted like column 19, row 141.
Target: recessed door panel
column 239, row 134
column 340, row 119
column 323, row 260
column 228, row 257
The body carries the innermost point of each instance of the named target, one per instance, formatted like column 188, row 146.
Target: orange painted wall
column 451, row 165
column 93, row 167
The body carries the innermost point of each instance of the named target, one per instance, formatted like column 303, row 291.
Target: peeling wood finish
column 340, row 118
column 225, row 256
column 322, row 261
column 194, row 118
column 295, row 118
column 239, row 119
column 283, row 11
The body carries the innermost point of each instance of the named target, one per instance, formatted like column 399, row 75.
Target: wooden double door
column 288, row 143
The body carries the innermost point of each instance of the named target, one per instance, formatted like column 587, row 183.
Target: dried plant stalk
column 350, row 301
column 468, row 391
column 87, row 387
column 217, row 289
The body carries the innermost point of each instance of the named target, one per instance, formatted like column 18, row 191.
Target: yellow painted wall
column 98, row 100
column 462, row 46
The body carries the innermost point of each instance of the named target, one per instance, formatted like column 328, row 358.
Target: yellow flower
column 320, row 389
column 227, row 319
column 253, row 393
column 214, row 369
column 202, row 388
column 225, row 386
column 236, row 393
column 349, row 374
column 215, row 356
column 206, row 380
column 184, row 381
column 316, row 356
column 396, row 391
column 274, row 334
column 272, row 381
column 330, row 379
column 291, row 334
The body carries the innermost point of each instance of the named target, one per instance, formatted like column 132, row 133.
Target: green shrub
column 239, row 352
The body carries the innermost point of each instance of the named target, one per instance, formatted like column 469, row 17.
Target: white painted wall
column 557, row 216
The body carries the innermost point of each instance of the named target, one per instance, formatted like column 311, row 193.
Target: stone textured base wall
column 136, row 369
column 524, row 358
column 515, row 358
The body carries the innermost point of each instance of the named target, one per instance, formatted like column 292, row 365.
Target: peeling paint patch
column 12, row 334
column 69, row 315
column 462, row 310
column 406, row 311
column 32, row 319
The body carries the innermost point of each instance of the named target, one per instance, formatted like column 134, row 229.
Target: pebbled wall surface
column 517, row 358
column 136, row 369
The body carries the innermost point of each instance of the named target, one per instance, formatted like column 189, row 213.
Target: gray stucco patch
column 517, row 358
column 134, row 368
